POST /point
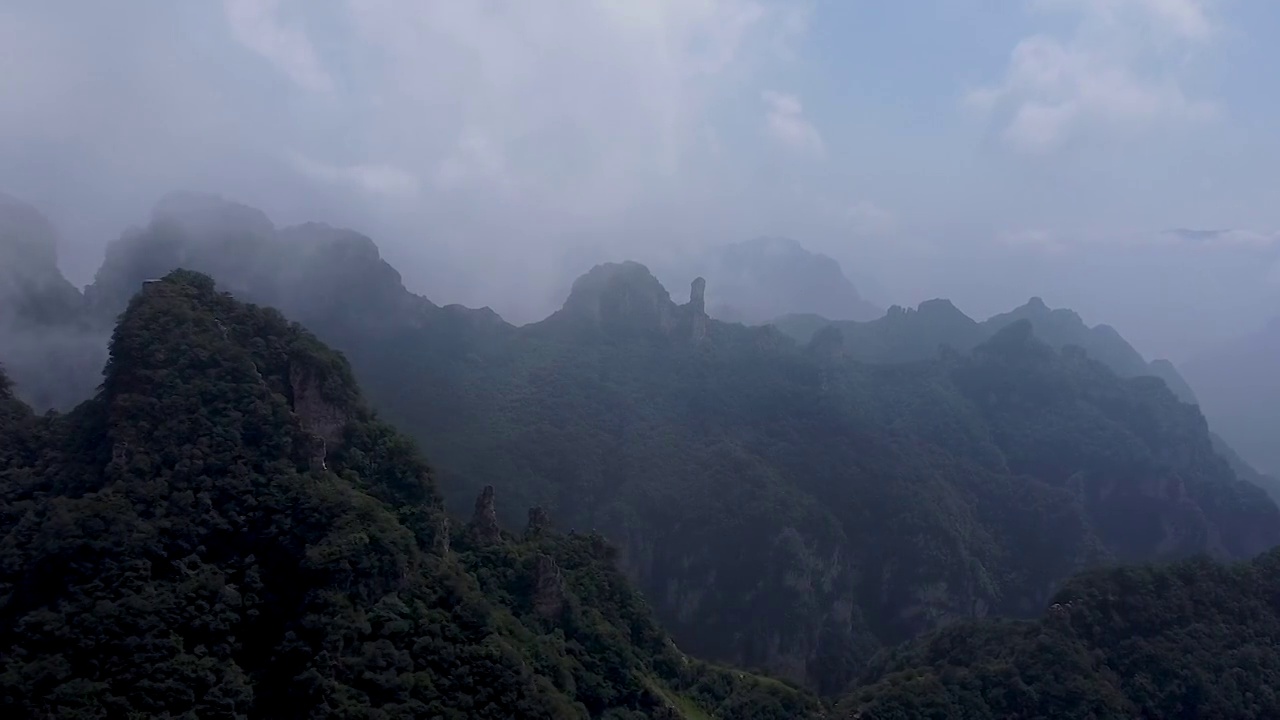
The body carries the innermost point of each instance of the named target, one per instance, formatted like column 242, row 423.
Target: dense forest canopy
column 1194, row 639
column 226, row 531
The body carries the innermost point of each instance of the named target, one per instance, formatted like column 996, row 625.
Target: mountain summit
column 626, row 299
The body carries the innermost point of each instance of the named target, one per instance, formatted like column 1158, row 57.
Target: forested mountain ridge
column 1193, row 639
column 226, row 531
column 906, row 335
column 782, row 506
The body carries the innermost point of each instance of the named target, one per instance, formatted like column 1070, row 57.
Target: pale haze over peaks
column 1113, row 156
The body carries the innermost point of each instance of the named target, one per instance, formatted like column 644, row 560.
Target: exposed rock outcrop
column 697, row 309
column 548, row 588
column 319, row 453
column 539, row 523
column 317, row 415
column 484, row 527
column 440, row 539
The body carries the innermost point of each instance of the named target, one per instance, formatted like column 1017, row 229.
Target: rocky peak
column 941, row 308
column 484, row 521
column 620, row 298
column 202, row 214
column 539, row 523
column 697, row 295
column 696, row 310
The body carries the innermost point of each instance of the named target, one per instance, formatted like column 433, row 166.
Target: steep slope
column 51, row 351
column 782, row 507
column 226, row 531
column 1195, row 639
column 1239, row 389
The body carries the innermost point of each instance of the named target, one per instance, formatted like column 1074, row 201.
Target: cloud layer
column 1116, row 69
column 495, row 149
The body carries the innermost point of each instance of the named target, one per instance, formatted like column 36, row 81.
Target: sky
column 1119, row 157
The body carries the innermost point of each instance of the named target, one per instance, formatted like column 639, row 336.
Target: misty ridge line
column 733, row 266
column 768, row 280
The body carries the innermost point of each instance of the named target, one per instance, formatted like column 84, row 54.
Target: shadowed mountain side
column 226, row 531
column 782, row 506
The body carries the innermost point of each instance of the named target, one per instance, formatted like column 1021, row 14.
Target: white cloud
column 1046, row 241
column 258, row 26
column 475, row 160
column 1117, row 70
column 583, row 107
column 786, row 123
column 868, row 217
column 372, row 178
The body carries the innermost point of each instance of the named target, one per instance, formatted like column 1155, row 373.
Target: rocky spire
column 484, row 523
column 539, row 523
column 697, row 295
column 697, row 309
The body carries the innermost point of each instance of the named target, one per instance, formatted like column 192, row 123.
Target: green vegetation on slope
column 226, row 531
column 783, row 507
column 910, row 335
column 796, row 511
column 1194, row 639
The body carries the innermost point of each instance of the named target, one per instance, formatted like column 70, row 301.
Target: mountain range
column 796, row 501
column 908, row 335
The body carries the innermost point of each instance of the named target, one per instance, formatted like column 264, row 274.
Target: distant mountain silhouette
column 760, row 279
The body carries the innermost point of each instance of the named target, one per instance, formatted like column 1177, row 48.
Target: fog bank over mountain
column 607, row 132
